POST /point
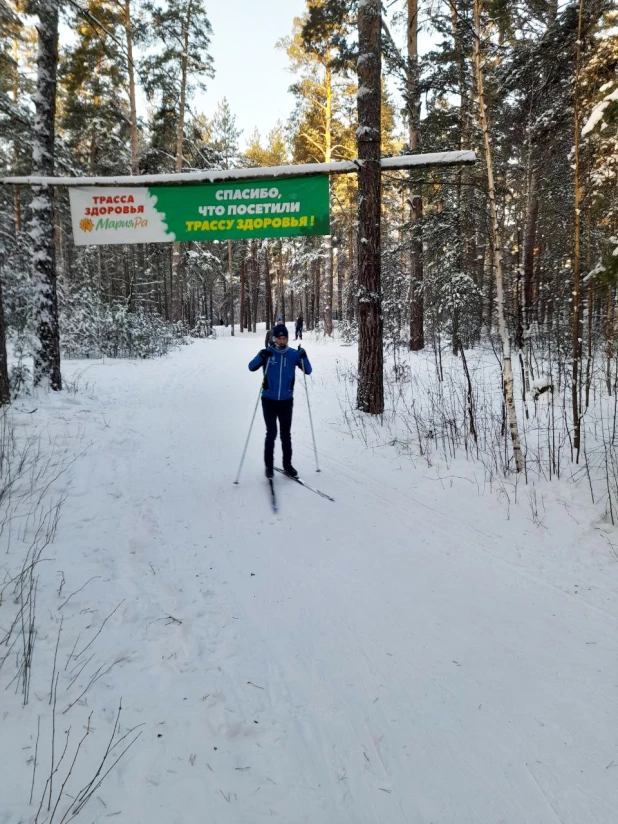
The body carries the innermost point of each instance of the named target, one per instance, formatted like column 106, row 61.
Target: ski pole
column 315, row 449
column 244, row 452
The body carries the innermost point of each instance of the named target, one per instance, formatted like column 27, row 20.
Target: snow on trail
column 406, row 654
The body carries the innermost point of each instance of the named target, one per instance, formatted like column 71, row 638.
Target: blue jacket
column 279, row 372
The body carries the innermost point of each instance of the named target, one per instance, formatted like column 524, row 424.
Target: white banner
column 116, row 215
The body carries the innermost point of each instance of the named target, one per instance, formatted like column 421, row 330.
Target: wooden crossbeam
column 341, row 167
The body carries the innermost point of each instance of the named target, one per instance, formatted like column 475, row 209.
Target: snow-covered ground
column 421, row 651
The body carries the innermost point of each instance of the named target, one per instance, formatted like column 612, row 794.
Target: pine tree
column 224, row 135
column 276, row 152
column 413, row 110
column 323, row 126
column 370, row 393
column 47, row 356
column 93, row 92
column 179, row 33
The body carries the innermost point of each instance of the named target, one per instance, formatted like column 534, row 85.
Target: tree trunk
column 329, row 277
column 131, row 75
column 255, row 285
column 417, row 307
column 576, row 312
column 16, row 142
column 507, row 369
column 281, row 283
column 47, row 356
column 328, row 156
column 270, row 319
column 532, row 212
column 350, row 303
column 180, row 134
column 243, row 274
column 609, row 338
column 317, row 294
column 5, row 389
column 370, row 393
column 339, row 287
column 311, row 313
column 231, row 274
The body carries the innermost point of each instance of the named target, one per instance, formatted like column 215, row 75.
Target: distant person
column 279, row 363
column 269, row 333
column 299, row 328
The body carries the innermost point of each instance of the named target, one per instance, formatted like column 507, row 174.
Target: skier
column 279, row 363
column 299, row 327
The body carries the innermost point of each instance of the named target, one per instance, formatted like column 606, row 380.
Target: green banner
column 209, row 211
column 233, row 211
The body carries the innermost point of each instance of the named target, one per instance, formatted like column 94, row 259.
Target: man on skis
column 279, row 364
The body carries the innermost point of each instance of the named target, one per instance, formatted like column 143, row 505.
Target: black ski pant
column 299, row 333
column 278, row 411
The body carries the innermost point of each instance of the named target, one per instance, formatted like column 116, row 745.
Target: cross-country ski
column 304, row 483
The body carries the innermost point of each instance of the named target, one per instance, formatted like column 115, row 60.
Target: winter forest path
column 393, row 658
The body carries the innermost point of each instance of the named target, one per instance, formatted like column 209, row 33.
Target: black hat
column 280, row 329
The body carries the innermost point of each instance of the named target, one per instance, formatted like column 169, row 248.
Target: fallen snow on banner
column 215, row 211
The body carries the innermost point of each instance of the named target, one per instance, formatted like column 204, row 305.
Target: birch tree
column 507, row 368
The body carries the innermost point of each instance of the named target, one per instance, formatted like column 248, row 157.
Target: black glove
column 265, row 354
column 301, row 353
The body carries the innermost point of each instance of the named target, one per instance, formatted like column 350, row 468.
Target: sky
column 250, row 71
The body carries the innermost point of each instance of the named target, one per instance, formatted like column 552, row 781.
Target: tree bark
column 180, row 134
column 609, row 337
column 5, row 389
column 242, row 308
column 16, row 142
column 317, row 293
column 339, row 286
column 231, row 274
column 417, row 307
column 329, row 278
column 507, row 369
column 370, row 392
column 255, row 283
column 47, row 356
column 281, row 282
column 532, row 212
column 576, row 312
column 270, row 319
column 131, row 74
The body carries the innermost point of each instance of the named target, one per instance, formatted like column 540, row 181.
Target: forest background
column 519, row 251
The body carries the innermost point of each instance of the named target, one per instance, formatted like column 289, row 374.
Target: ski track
column 370, row 661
